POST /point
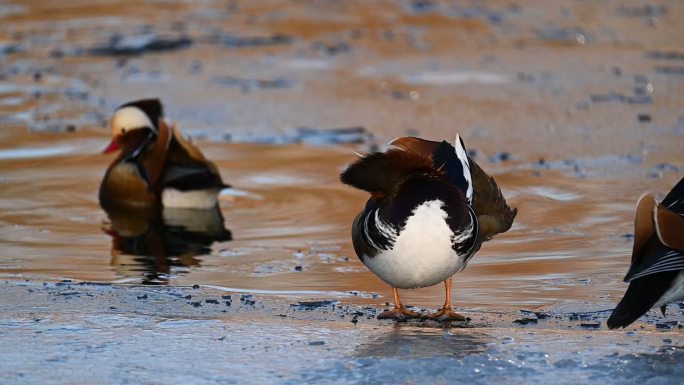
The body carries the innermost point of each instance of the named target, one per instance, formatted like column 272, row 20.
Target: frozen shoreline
column 57, row 333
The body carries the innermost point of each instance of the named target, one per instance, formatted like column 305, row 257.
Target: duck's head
column 134, row 123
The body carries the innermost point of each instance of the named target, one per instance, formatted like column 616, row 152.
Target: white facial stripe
column 129, row 118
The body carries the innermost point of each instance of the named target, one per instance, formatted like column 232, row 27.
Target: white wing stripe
column 465, row 234
column 660, row 268
column 367, row 234
column 463, row 157
column 386, row 230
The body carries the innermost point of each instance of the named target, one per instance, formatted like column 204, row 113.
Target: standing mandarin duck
column 430, row 209
column 156, row 166
column 656, row 275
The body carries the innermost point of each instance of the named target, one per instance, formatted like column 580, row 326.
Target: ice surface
column 108, row 334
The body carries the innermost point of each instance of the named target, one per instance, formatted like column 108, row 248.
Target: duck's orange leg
column 446, row 313
column 399, row 312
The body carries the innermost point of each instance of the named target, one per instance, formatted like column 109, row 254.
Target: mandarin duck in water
column 156, row 166
column 656, row 276
column 430, row 209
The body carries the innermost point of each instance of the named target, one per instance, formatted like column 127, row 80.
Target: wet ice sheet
column 32, row 153
column 227, row 352
column 493, row 356
column 456, row 78
column 59, row 334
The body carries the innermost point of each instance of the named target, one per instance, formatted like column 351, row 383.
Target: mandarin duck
column 656, row 274
column 156, row 166
column 430, row 209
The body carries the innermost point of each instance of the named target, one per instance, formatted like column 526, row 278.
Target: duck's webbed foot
column 399, row 313
column 446, row 314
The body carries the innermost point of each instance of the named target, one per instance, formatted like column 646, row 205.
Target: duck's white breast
column 191, row 199
column 422, row 254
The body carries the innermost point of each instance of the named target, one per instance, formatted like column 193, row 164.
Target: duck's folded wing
column 187, row 168
column 659, row 259
column 191, row 177
column 188, row 148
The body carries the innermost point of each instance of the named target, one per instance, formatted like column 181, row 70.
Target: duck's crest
column 151, row 107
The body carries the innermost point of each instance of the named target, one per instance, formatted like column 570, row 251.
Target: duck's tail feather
column 493, row 212
column 641, row 295
column 384, row 172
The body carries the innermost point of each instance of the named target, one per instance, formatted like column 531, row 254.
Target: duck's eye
column 123, row 131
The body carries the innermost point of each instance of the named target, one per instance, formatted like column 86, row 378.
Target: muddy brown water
column 572, row 113
column 290, row 224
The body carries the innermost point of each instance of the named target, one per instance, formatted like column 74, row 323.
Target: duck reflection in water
column 158, row 244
